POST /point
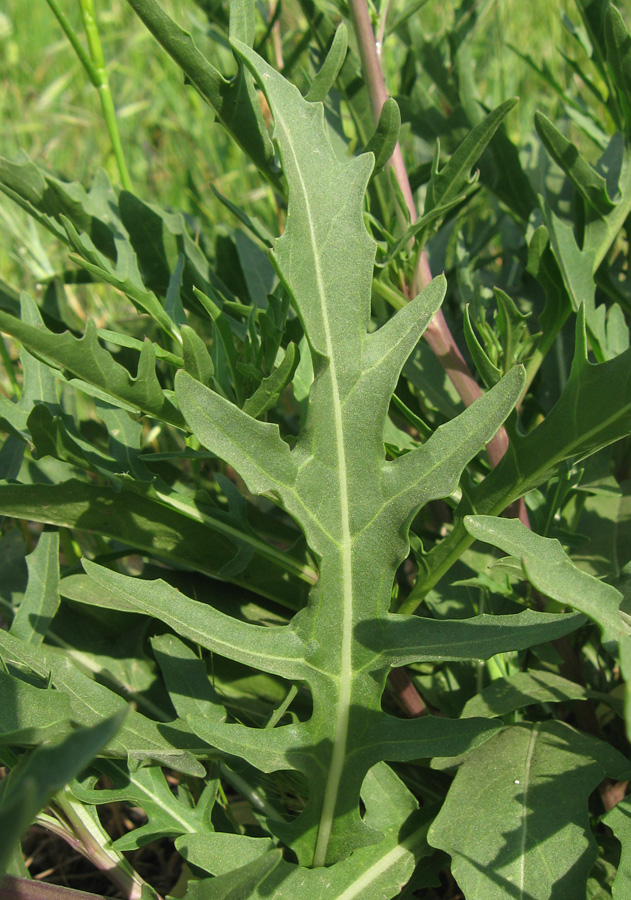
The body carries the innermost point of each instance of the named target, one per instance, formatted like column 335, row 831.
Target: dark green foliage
column 270, row 519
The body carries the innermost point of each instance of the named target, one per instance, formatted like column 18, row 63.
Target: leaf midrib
column 338, row 755
column 524, row 813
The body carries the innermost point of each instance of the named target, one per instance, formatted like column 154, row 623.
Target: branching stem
column 94, row 65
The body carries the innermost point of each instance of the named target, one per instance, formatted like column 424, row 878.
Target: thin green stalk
column 77, row 46
column 248, row 793
column 105, row 95
column 280, row 711
column 279, row 557
column 94, row 65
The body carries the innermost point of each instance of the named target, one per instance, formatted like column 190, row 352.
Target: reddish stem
column 437, row 334
column 407, row 694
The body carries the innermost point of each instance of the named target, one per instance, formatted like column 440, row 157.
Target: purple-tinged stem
column 437, row 334
column 14, row 888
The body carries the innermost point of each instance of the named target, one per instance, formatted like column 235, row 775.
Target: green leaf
column 512, row 327
column 386, row 135
column 254, row 448
column 342, row 446
column 147, row 788
column 252, row 223
column 275, row 649
column 529, row 786
column 579, row 259
column 44, row 772
column 267, row 393
column 407, row 639
column 455, row 178
column 41, row 598
column 619, row 820
column 38, row 382
column 593, row 411
column 123, row 275
column 324, row 80
column 139, row 739
column 577, row 268
column 584, row 177
column 618, row 44
column 125, row 437
column 47, row 199
column 523, row 689
column 234, row 102
column 377, row 872
column 419, row 229
column 186, row 679
column 257, row 271
column 240, row 883
column 489, row 372
column 226, row 337
column 50, row 437
column 31, row 715
column 165, row 527
column 551, row 571
column 90, row 363
column 197, row 360
column 220, row 853
column 124, row 340
column 386, row 798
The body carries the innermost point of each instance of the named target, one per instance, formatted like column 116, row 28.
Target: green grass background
column 174, row 150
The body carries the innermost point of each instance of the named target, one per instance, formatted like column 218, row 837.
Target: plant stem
column 407, row 693
column 437, row 333
column 87, row 835
column 14, row 888
column 76, row 44
column 371, row 67
column 105, row 95
column 94, row 65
